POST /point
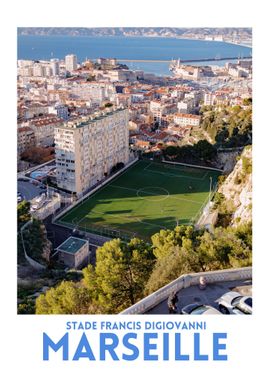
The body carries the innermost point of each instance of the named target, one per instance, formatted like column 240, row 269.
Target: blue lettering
column 108, row 347
column 130, row 346
column 219, row 346
column 165, row 346
column 47, row 342
column 178, row 355
column 197, row 354
column 149, row 346
column 84, row 350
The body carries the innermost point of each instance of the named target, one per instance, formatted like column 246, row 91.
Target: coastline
column 133, row 36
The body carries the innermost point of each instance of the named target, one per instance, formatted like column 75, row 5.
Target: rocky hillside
column 237, row 189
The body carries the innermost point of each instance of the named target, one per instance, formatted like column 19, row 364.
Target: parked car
column 198, row 308
column 19, row 197
column 23, row 179
column 235, row 303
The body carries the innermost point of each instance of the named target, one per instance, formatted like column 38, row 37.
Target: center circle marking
column 149, row 191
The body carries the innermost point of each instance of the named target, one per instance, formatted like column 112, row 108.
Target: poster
column 149, row 344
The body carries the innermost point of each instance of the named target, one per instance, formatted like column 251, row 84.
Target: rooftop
column 187, row 115
column 71, row 245
column 85, row 120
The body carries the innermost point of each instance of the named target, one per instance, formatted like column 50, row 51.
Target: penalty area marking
column 128, row 217
column 173, row 175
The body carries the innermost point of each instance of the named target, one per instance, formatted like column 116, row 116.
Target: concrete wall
column 186, row 281
column 49, row 208
column 31, row 261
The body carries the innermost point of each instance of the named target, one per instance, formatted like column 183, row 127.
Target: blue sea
column 131, row 48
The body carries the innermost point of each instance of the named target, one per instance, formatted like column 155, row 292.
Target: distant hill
column 138, row 31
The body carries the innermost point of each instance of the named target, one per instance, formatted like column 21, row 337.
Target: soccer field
column 144, row 199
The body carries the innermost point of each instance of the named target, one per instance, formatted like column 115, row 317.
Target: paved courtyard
column 208, row 296
column 28, row 190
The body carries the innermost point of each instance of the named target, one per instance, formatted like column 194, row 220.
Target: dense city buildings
column 160, row 109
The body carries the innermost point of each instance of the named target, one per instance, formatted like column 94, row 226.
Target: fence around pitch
column 105, row 231
column 192, row 166
column 206, row 204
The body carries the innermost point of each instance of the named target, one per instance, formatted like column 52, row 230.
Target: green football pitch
column 147, row 197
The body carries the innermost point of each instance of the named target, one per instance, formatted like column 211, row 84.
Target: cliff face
column 237, row 189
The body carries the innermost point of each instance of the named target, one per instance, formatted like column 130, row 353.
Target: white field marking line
column 186, row 200
column 143, row 191
column 148, row 192
column 122, row 187
column 101, row 188
column 173, row 175
column 128, row 217
column 205, row 175
column 147, row 166
column 104, row 226
column 177, row 168
column 79, row 221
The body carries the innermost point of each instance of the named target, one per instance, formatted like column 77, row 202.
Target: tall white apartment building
column 71, row 62
column 55, row 67
column 87, row 148
column 38, row 70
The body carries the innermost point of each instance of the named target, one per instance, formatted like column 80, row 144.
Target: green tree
column 26, row 307
column 165, row 241
column 167, row 269
column 222, row 136
column 171, row 150
column 121, row 272
column 34, row 235
column 198, row 251
column 205, row 150
column 66, row 298
column 23, row 213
